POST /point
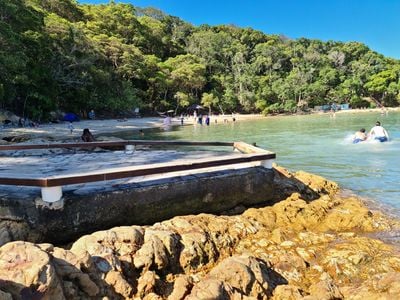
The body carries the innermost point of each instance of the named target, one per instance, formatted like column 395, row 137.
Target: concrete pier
column 141, row 203
column 59, row 197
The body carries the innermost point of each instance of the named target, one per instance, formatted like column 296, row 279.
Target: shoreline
column 60, row 131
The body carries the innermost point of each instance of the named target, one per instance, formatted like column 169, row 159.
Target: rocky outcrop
column 295, row 249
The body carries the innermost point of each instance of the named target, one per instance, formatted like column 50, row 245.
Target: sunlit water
column 318, row 144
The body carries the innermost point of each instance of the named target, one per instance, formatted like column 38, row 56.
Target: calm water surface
column 321, row 145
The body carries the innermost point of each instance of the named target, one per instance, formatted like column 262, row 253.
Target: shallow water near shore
column 319, row 144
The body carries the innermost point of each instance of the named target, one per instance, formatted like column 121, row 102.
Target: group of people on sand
column 377, row 133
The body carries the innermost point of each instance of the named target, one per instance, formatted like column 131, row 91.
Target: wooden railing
column 52, row 185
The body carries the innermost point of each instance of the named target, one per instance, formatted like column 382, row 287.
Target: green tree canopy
column 62, row 55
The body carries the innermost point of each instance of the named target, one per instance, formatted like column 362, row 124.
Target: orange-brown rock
column 298, row 248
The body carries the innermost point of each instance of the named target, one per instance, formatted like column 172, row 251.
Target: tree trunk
column 23, row 111
column 220, row 107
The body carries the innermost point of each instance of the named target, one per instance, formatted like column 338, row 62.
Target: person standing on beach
column 332, row 113
column 379, row 133
column 70, row 127
column 91, row 115
column 207, row 120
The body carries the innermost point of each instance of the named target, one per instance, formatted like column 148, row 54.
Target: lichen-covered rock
column 182, row 287
column 309, row 186
column 157, row 251
column 124, row 240
column 211, row 289
column 245, row 274
column 119, row 284
column 147, row 283
column 28, row 272
column 325, row 289
column 68, row 267
column 287, row 292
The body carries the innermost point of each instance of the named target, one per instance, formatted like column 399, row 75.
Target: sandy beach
column 367, row 110
column 60, row 131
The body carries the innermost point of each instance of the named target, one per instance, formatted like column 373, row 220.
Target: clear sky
column 373, row 22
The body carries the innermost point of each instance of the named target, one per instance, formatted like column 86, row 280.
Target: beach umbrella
column 71, row 117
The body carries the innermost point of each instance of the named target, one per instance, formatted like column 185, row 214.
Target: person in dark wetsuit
column 87, row 136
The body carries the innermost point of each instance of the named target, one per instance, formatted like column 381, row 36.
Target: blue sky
column 373, row 22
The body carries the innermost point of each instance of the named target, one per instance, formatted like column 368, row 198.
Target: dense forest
column 59, row 55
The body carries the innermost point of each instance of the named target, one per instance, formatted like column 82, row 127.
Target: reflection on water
column 317, row 144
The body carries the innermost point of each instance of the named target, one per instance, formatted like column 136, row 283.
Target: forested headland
column 59, row 55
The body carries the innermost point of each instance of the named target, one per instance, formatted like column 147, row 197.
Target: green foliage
column 62, row 55
column 273, row 109
column 290, row 106
column 209, row 100
column 182, row 99
column 187, row 74
column 358, row 102
column 64, row 8
column 384, row 86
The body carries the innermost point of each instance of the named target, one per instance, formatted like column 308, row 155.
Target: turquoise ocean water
column 318, row 144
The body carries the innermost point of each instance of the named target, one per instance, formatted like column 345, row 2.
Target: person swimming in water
column 359, row 136
column 379, row 133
